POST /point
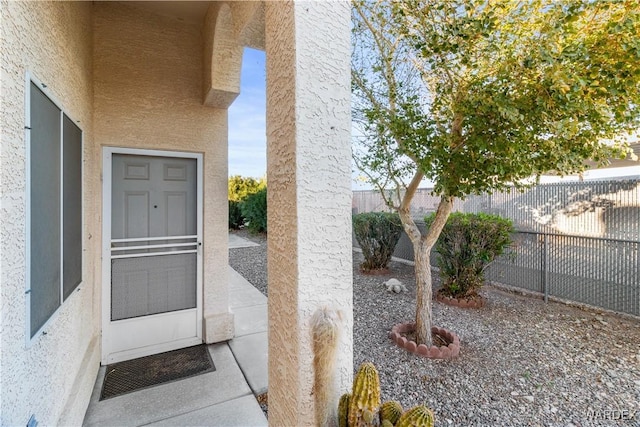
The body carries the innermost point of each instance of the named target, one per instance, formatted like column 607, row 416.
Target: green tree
column 478, row 95
column 240, row 187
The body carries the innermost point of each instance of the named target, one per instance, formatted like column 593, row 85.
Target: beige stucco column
column 309, row 196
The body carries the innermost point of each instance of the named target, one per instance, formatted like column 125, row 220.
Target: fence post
column 545, row 266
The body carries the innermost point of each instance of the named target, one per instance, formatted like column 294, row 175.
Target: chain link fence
column 576, row 241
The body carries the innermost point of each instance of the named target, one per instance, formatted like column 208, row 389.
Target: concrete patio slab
column 251, row 352
column 241, row 412
column 250, row 320
column 167, row 400
column 242, row 293
column 245, row 297
column 236, row 241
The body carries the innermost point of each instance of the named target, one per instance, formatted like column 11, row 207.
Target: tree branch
column 439, row 221
column 404, row 210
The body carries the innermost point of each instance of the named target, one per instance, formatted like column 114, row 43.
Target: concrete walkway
column 249, row 346
column 236, row 241
column 225, row 397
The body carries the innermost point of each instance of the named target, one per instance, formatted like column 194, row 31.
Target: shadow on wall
column 596, row 209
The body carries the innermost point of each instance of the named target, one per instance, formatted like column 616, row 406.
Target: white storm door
column 153, row 253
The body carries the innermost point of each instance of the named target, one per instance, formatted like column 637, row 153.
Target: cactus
column 390, row 411
column 325, row 331
column 419, row 416
column 343, row 410
column 365, row 398
column 362, row 407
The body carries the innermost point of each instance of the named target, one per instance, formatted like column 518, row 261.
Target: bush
column 377, row 234
column 235, row 215
column 254, row 210
column 467, row 245
column 240, row 187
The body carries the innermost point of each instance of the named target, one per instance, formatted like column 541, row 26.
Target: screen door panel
column 152, row 285
column 153, row 235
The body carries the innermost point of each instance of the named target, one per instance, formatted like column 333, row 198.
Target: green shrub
column 241, row 187
column 467, row 245
column 254, row 210
column 235, row 215
column 377, row 234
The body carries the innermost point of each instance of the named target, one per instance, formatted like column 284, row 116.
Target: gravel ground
column 522, row 362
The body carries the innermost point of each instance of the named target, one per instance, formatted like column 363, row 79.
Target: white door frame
column 107, row 155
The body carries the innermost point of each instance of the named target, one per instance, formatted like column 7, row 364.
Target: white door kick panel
column 143, row 331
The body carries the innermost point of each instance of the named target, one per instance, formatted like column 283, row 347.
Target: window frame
column 30, row 79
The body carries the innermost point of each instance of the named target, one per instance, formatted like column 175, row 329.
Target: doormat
column 132, row 375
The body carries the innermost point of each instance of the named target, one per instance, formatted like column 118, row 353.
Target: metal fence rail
column 599, row 272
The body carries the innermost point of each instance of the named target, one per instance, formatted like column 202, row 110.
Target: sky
column 247, row 119
column 247, row 127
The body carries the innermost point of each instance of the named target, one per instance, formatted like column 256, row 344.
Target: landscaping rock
column 512, row 335
column 395, row 286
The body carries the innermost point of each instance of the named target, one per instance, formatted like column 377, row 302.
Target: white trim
column 61, row 203
column 190, row 251
column 155, row 153
column 29, row 79
column 153, row 349
column 150, row 239
column 107, row 178
column 200, row 238
column 143, row 247
column 27, row 138
column 106, row 248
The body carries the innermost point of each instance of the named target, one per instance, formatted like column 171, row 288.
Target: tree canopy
column 240, row 187
column 478, row 95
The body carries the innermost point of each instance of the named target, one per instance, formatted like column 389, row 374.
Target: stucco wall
column 222, row 57
column 148, row 94
column 52, row 378
column 309, row 198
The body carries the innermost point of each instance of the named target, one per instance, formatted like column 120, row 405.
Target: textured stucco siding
column 222, row 58
column 248, row 21
column 51, row 378
column 148, row 80
column 309, row 199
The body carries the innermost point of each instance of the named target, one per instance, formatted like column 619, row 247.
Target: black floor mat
column 131, row 375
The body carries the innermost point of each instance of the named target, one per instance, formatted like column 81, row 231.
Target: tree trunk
column 421, row 255
column 422, row 251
